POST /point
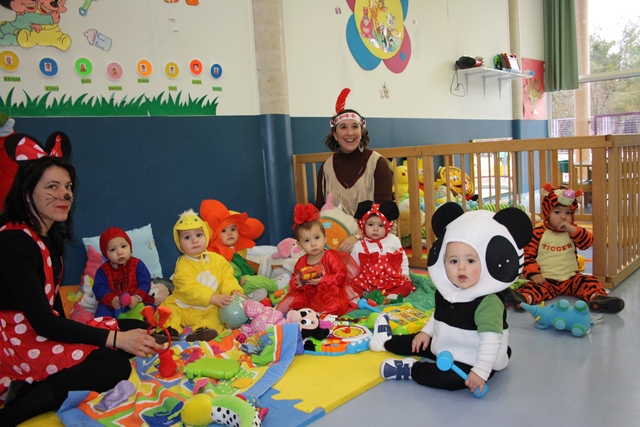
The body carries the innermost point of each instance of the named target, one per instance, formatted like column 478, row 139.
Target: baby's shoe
column 513, row 299
column 202, row 334
column 606, row 304
column 398, row 369
column 381, row 333
column 162, row 338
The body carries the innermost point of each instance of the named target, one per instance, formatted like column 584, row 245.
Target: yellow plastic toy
column 405, row 319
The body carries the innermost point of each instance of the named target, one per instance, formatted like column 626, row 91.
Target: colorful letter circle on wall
column 216, row 71
column 196, row 67
column 172, row 70
column 114, row 71
column 48, row 67
column 9, row 61
column 84, row 67
column 144, row 68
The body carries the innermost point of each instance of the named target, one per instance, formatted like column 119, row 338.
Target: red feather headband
column 342, row 99
column 340, row 104
column 304, row 213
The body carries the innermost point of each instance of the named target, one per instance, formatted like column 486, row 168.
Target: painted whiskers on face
column 52, row 197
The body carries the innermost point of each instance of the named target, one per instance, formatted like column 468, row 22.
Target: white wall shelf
column 491, row 73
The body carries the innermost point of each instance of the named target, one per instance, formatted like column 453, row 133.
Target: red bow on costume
column 28, row 150
column 24, row 148
column 304, row 213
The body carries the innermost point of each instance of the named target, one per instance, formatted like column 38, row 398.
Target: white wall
column 215, row 31
column 320, row 63
column 318, row 59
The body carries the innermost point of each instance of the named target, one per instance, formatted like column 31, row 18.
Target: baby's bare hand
column 221, row 300
column 420, row 342
column 538, row 279
column 473, row 382
column 135, row 300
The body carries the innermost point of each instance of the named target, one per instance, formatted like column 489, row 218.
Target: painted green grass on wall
column 85, row 106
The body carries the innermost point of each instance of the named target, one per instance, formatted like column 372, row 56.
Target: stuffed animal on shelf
column 562, row 316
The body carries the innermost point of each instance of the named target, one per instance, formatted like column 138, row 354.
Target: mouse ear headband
column 342, row 114
column 387, row 211
column 24, row 148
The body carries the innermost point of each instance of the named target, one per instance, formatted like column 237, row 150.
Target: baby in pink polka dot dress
column 383, row 262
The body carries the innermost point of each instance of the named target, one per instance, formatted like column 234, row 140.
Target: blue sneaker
column 398, row 369
column 381, row 333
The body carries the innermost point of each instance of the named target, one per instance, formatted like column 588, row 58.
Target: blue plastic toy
column 562, row 316
column 444, row 362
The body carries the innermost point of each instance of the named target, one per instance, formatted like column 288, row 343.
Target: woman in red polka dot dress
column 43, row 356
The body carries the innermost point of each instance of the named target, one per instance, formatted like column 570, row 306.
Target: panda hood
column 498, row 238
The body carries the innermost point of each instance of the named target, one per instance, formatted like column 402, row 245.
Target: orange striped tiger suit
column 554, row 254
column 559, row 250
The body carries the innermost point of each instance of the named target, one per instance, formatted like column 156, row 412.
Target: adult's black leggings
column 100, row 371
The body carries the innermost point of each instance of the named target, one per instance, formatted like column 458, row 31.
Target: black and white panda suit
column 470, row 323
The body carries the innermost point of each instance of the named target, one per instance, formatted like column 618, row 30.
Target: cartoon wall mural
column 115, row 68
column 36, row 23
column 376, row 33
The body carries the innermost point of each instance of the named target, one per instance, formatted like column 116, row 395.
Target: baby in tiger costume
column 550, row 262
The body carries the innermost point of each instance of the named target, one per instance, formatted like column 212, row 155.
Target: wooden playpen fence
column 605, row 168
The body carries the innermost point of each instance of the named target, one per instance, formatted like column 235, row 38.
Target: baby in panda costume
column 476, row 255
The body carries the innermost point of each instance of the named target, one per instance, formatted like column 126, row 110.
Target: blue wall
column 136, row 171
column 309, row 134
